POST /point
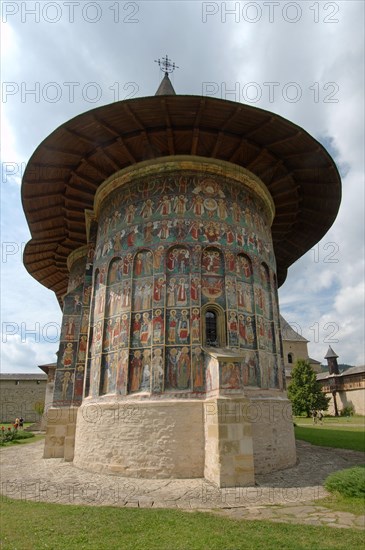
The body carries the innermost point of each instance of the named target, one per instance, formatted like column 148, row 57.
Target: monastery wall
column 18, row 397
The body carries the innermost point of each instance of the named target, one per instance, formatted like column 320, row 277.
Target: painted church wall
column 168, row 247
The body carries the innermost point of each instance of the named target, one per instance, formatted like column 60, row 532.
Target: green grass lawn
column 350, row 437
column 60, row 527
column 339, row 503
column 333, row 421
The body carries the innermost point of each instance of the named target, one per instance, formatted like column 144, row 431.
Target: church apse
column 167, row 271
column 176, row 304
column 179, row 268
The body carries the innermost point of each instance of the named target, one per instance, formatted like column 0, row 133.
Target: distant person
column 314, row 416
column 21, row 422
column 16, row 423
column 320, row 417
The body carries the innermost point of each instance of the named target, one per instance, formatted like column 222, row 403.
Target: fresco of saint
column 135, row 375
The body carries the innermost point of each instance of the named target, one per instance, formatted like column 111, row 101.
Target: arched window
column 290, row 358
column 214, row 326
column 211, row 336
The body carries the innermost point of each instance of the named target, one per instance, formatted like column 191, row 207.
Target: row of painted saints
column 184, row 370
column 179, row 260
column 146, row 371
column 146, row 329
column 149, row 328
column 199, row 201
column 69, row 381
column 72, row 355
column 69, row 384
column 188, row 230
column 182, row 327
column 180, row 292
column 71, row 352
column 178, row 369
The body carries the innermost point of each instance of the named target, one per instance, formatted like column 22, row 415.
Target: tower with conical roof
column 331, row 357
column 165, row 225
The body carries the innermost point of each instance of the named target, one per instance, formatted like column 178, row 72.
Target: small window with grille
column 211, row 336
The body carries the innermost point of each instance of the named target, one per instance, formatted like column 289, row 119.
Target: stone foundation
column 60, row 433
column 227, row 440
column 151, row 439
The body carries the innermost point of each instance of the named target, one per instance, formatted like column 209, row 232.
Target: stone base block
column 228, row 443
column 272, row 433
column 60, row 433
column 225, row 439
column 151, row 439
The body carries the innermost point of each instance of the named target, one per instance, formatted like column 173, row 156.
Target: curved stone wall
column 153, row 439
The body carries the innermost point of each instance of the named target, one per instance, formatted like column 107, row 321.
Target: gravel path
column 26, row 475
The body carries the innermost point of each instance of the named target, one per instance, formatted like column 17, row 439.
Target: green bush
column 348, row 411
column 349, row 482
column 12, row 434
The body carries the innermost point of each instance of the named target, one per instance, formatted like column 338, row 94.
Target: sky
column 303, row 60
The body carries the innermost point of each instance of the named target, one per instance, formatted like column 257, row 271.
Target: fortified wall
column 20, row 394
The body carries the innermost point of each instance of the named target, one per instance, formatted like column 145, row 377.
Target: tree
column 304, row 391
column 39, row 407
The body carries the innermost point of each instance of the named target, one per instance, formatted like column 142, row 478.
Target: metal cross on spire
column 166, row 65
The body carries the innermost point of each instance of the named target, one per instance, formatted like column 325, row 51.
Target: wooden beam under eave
column 54, row 166
column 85, row 179
column 87, row 161
column 288, row 177
column 107, row 126
column 302, row 154
column 79, row 190
column 52, row 239
column 109, row 158
column 284, row 140
column 260, row 126
column 79, row 136
column 169, row 132
column 194, row 141
column 131, row 158
column 237, row 150
column 270, row 171
column 62, row 150
column 134, row 117
column 260, row 156
column 217, row 144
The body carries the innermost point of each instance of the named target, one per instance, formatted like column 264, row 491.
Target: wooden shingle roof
column 69, row 165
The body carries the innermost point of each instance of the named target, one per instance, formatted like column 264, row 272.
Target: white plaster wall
column 349, row 397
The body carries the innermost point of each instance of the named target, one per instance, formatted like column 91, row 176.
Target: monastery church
column 165, row 226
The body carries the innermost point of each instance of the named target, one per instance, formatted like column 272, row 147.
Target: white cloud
column 21, row 355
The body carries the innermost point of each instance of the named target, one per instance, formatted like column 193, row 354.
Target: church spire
column 166, row 66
